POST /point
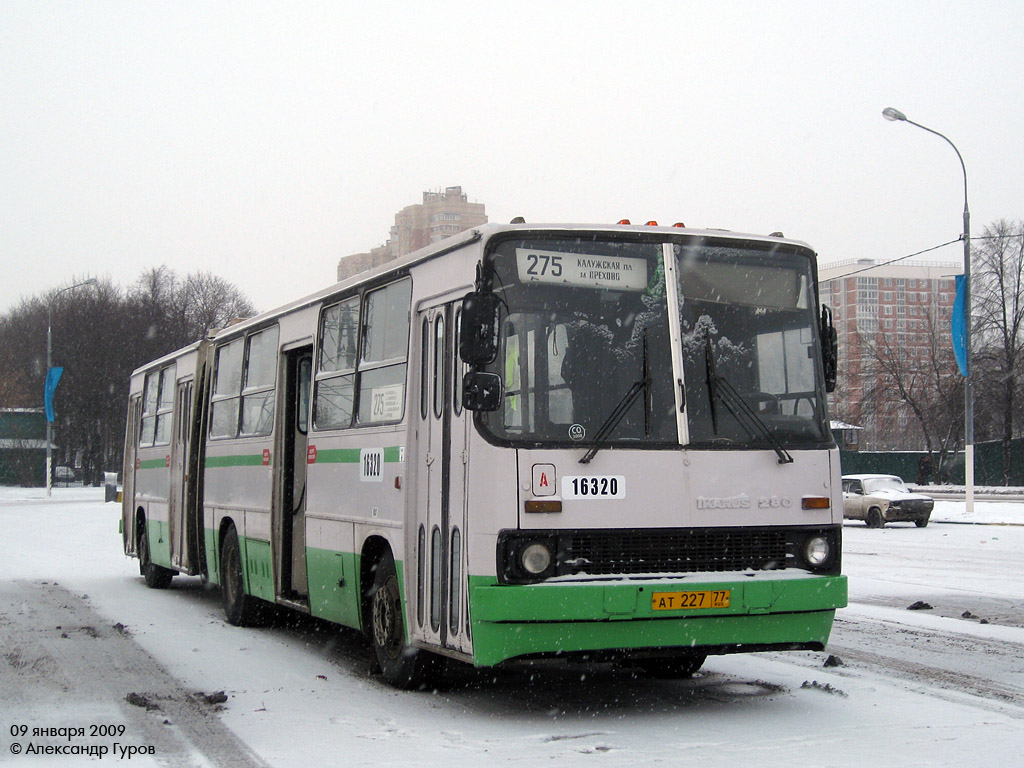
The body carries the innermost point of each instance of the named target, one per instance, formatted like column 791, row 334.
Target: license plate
column 682, row 601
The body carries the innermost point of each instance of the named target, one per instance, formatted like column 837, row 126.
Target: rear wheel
column 241, row 609
column 400, row 664
column 875, row 519
column 156, row 576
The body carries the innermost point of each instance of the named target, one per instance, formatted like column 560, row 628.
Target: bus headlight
column 535, row 558
column 817, row 551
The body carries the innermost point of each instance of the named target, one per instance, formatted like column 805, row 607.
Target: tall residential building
column 440, row 215
column 902, row 306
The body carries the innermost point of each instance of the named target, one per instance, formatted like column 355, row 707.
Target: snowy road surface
column 87, row 646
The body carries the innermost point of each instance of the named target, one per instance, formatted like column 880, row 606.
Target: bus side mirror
column 481, row 391
column 478, row 340
column 829, row 349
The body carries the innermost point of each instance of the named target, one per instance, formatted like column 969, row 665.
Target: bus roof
column 462, row 240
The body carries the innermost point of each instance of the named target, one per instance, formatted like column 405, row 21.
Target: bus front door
column 439, row 549
column 131, row 446
column 289, row 516
column 177, row 502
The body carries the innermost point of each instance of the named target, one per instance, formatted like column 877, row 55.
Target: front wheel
column 156, row 576
column 921, row 522
column 875, row 519
column 400, row 664
column 241, row 609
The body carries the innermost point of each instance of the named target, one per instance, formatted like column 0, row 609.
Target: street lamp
column 49, row 365
column 896, row 116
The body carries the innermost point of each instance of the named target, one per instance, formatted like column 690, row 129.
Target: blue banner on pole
column 52, row 380
column 958, row 325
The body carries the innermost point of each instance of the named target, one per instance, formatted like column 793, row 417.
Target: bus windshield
column 747, row 321
column 585, row 347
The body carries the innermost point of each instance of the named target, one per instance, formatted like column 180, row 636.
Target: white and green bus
column 521, row 442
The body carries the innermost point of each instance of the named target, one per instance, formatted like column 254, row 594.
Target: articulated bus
column 521, row 442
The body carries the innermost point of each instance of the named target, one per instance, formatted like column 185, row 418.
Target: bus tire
column 155, row 576
column 241, row 609
column 400, row 665
column 875, row 519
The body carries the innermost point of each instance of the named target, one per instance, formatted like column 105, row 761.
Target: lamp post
column 49, row 365
column 895, row 115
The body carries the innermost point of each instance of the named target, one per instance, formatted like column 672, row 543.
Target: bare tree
column 914, row 370
column 998, row 322
column 183, row 310
column 99, row 336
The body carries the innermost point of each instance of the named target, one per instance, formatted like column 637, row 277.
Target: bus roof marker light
column 652, row 223
column 623, row 221
column 679, row 224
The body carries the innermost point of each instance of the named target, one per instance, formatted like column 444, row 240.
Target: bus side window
column 260, row 378
column 382, row 365
column 335, row 379
column 227, row 387
column 165, row 406
column 425, row 369
column 458, row 367
column 439, row 366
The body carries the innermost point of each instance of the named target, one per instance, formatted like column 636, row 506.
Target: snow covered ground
column 938, row 686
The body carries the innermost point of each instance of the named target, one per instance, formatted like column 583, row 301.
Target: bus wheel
column 676, row 667
column 875, row 519
column 241, row 609
column 156, row 577
column 402, row 666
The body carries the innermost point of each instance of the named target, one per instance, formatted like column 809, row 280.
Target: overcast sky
column 263, row 141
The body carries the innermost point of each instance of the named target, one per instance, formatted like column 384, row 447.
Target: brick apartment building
column 440, row 215
column 899, row 304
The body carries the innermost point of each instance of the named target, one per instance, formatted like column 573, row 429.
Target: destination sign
column 577, row 269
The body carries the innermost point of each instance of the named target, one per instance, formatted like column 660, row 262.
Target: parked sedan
column 881, row 499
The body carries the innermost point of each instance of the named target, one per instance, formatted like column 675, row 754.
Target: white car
column 881, row 499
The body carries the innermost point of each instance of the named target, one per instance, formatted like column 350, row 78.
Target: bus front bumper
column 764, row 612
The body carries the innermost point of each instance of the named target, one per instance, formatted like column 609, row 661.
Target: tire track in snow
column 56, row 647
column 945, row 664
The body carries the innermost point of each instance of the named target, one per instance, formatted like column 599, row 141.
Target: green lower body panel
column 510, row 621
column 333, row 580
column 259, row 568
column 212, row 556
column 159, row 542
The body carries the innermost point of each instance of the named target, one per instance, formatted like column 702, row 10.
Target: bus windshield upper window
column 586, row 321
column 752, row 312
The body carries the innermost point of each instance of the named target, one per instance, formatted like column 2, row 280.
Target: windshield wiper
column 644, row 385
column 720, row 388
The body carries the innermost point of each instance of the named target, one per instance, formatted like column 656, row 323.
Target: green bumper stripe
column 153, row 464
column 511, row 621
column 494, row 643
